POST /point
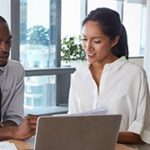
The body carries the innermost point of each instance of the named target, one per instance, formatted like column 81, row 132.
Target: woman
column 110, row 80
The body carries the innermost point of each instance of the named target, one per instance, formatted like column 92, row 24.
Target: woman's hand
column 129, row 138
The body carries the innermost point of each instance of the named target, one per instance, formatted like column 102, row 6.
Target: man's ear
column 115, row 40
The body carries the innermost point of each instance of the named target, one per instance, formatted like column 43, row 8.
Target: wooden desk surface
column 21, row 145
column 123, row 147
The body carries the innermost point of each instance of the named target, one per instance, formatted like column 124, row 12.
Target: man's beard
column 3, row 64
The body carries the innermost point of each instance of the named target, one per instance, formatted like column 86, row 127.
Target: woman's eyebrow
column 97, row 36
column 94, row 37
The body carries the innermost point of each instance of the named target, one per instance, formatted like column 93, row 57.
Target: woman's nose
column 88, row 46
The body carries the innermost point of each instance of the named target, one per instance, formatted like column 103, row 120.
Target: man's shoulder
column 14, row 63
column 15, row 67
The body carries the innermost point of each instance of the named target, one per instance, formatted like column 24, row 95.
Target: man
column 12, row 125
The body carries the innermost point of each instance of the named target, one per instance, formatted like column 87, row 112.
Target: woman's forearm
column 129, row 138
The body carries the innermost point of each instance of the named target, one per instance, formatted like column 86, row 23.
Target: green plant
column 71, row 49
column 38, row 35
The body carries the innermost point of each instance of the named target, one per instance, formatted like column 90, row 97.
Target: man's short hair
column 2, row 20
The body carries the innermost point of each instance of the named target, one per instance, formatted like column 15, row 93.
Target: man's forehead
column 4, row 26
column 4, row 31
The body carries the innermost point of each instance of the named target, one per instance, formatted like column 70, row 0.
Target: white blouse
column 123, row 90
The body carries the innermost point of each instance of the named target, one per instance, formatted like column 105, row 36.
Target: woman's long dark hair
column 110, row 23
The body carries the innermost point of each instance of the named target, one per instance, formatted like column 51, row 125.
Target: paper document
column 6, row 145
column 100, row 111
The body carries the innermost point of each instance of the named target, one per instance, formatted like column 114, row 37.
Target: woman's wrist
column 129, row 138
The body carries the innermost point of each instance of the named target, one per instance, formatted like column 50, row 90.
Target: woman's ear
column 115, row 40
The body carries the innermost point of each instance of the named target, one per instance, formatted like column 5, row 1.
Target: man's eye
column 8, row 42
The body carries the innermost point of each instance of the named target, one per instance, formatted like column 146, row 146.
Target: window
column 35, row 26
column 38, row 50
column 134, row 28
column 70, row 25
column 93, row 4
column 40, row 89
column 134, row 25
column 43, row 24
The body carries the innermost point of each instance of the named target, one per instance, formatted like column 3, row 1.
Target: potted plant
column 71, row 49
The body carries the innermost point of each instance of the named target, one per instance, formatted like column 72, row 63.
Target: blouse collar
column 115, row 64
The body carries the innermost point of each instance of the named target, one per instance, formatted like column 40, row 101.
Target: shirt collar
column 117, row 63
column 1, row 69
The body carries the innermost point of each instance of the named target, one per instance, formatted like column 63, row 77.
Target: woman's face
column 97, row 45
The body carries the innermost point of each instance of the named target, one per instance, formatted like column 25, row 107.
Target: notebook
column 77, row 132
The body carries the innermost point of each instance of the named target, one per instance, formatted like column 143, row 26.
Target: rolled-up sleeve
column 141, row 125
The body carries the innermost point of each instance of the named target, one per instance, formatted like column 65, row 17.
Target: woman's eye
column 97, row 41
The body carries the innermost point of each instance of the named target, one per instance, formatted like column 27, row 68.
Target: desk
column 21, row 145
column 123, row 147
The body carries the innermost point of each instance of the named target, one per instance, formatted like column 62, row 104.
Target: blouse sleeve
column 72, row 103
column 141, row 125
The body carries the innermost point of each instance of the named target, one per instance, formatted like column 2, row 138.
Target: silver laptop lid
column 77, row 132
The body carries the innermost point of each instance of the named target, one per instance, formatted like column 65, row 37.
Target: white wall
column 137, row 60
column 147, row 49
column 5, row 10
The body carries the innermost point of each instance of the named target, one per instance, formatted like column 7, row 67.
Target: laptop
column 77, row 132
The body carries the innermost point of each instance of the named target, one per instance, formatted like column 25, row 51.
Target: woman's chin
column 90, row 60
